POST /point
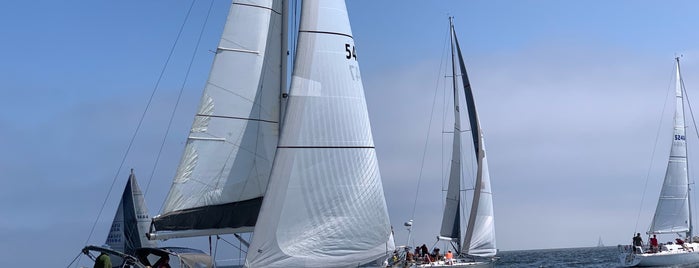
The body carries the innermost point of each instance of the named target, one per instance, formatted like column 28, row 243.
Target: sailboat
column 478, row 248
column 129, row 227
column 131, row 222
column 298, row 169
column 599, row 242
column 673, row 213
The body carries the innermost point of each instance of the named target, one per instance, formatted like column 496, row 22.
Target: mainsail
column 672, row 213
column 479, row 239
column 131, row 222
column 224, row 171
column 324, row 205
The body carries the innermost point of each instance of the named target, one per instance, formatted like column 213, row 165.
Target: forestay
column 324, row 206
column 224, row 171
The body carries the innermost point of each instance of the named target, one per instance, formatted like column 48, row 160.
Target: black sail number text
column 351, row 52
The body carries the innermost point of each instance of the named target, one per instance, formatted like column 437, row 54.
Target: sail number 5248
column 351, row 52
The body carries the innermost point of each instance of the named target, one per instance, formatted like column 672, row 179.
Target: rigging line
column 696, row 131
column 179, row 97
column 76, row 257
column 650, row 166
column 424, row 151
column 140, row 121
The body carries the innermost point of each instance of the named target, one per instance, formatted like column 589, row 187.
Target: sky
column 572, row 98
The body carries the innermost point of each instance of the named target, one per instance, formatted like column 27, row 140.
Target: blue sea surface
column 591, row 257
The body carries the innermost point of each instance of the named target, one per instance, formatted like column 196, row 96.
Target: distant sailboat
column 478, row 248
column 599, row 242
column 673, row 213
column 300, row 170
column 131, row 222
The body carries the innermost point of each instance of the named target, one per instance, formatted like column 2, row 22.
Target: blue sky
column 570, row 95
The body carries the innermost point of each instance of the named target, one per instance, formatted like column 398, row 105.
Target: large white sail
column 672, row 212
column 224, row 171
column 324, row 206
column 131, row 222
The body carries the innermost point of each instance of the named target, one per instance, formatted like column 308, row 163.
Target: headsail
column 324, row 206
column 224, row 170
column 131, row 222
column 672, row 212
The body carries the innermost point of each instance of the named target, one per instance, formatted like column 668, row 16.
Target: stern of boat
column 627, row 257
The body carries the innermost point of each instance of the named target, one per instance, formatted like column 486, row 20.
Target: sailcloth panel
column 227, row 161
column 483, row 238
column 325, row 205
column 131, row 222
column 672, row 212
column 451, row 219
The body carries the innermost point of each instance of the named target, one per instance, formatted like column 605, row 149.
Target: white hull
column 670, row 256
column 458, row 263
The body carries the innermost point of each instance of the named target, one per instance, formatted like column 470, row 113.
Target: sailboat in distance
column 478, row 248
column 299, row 170
column 673, row 213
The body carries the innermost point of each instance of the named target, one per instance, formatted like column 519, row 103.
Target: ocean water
column 592, row 257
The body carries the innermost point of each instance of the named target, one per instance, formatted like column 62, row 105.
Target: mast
column 451, row 220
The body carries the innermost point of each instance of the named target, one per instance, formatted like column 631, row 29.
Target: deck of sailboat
column 670, row 254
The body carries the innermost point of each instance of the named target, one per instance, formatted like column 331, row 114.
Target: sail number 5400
column 351, row 52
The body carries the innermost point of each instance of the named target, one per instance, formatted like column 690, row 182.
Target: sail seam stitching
column 327, row 147
column 324, row 32
column 240, row 118
column 258, row 6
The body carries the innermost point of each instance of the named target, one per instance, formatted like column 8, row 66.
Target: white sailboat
column 599, row 242
column 308, row 186
column 673, row 213
column 478, row 248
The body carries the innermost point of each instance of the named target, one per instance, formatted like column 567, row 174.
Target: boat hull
column 673, row 256
column 459, row 263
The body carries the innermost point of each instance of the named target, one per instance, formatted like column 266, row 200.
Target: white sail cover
column 672, row 212
column 131, row 222
column 324, row 206
column 227, row 161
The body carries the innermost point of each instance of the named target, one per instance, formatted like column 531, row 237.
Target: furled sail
column 672, row 212
column 324, row 206
column 226, row 164
column 131, row 222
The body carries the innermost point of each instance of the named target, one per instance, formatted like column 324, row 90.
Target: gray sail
column 225, row 168
column 131, row 222
column 672, row 212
